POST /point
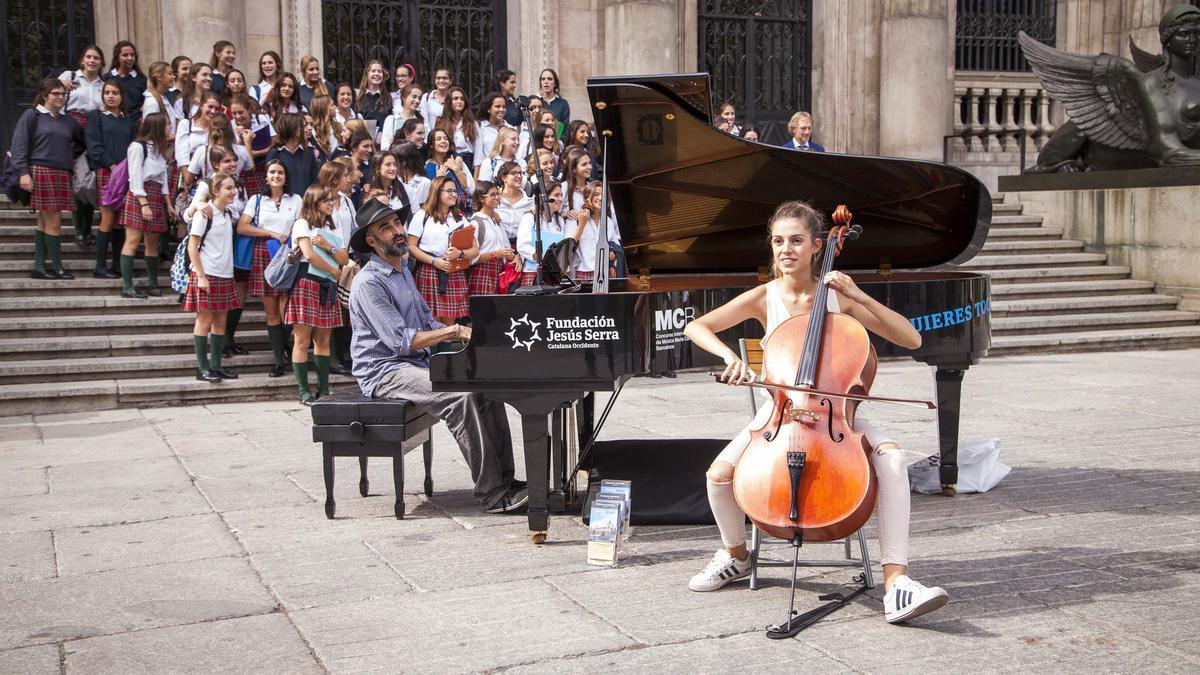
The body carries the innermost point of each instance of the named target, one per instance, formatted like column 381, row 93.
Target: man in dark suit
column 801, row 127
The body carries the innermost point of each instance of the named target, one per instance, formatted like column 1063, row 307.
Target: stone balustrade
column 989, row 112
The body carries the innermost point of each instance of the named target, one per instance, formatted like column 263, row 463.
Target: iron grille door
column 467, row 36
column 41, row 38
column 985, row 32
column 759, row 55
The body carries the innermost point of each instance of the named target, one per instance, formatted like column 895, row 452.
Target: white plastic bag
column 979, row 469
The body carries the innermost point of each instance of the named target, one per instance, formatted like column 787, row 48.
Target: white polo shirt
column 216, row 255
column 276, row 218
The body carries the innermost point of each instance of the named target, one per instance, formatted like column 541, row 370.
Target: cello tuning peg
column 854, row 231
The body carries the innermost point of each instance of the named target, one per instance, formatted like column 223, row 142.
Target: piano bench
column 348, row 424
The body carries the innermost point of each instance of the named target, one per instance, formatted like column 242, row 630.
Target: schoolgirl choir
column 240, row 163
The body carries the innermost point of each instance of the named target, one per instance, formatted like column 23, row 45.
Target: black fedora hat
column 372, row 212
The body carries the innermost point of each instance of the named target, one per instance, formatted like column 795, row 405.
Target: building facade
column 926, row 79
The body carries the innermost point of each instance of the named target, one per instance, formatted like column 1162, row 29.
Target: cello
column 806, row 474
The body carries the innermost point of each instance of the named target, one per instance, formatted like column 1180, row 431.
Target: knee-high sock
column 127, row 273
column 322, row 374
column 892, row 505
column 300, row 370
column 278, row 342
column 54, row 247
column 217, row 343
column 152, row 272
column 731, row 520
column 231, row 324
column 102, row 239
column 118, row 244
column 200, row 342
column 39, row 251
column 81, row 218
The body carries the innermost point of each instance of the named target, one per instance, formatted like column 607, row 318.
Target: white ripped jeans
column 891, row 505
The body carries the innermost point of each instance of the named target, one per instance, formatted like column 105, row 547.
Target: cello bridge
column 801, row 415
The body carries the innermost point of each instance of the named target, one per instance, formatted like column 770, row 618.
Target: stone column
column 641, row 37
column 191, row 28
column 301, row 32
column 916, row 78
column 136, row 20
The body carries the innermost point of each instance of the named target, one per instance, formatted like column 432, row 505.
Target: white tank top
column 777, row 311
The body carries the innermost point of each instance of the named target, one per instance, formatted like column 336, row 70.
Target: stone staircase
column 1050, row 295
column 77, row 345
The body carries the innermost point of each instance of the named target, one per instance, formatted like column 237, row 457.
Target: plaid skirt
column 102, row 178
column 51, row 189
column 254, row 180
column 131, row 212
column 583, row 276
column 221, row 295
column 528, row 278
column 174, row 179
column 304, row 306
column 452, row 303
column 484, row 278
column 80, row 117
column 258, row 265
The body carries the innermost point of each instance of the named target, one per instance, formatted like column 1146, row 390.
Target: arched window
column 985, row 32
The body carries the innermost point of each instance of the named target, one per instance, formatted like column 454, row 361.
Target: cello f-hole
column 838, row 438
column 770, row 435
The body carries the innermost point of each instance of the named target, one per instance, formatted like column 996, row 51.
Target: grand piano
column 692, row 204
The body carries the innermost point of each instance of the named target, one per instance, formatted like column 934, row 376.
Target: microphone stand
column 541, row 196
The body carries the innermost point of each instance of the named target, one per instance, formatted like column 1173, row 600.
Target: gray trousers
column 480, row 427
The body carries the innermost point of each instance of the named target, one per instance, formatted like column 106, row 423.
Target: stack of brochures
column 609, row 522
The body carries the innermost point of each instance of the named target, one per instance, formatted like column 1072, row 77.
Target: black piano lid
column 691, row 198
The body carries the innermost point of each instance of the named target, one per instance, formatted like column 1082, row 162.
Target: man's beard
column 396, row 250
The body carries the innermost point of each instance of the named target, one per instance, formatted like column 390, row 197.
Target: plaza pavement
column 193, row 540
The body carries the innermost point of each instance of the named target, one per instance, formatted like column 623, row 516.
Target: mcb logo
column 673, row 319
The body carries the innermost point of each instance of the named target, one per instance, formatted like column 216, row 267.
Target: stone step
column 15, row 287
column 1003, row 208
column 983, row 263
column 1026, row 274
column 1083, row 305
column 80, row 267
column 23, row 251
column 180, row 365
column 1005, row 247
column 1025, row 233
column 1165, row 337
column 1036, row 325
column 169, row 320
column 1016, row 219
column 13, row 308
column 119, row 344
column 24, row 399
column 15, row 213
column 1065, row 289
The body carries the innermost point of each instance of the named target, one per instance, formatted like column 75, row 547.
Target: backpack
column 181, row 266
column 118, row 184
column 10, row 178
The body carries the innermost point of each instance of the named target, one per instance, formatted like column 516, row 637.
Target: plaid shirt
column 386, row 312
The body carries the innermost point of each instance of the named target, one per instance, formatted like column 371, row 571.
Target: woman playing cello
column 796, row 243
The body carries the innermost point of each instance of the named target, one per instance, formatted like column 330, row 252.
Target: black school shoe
column 238, row 349
column 225, row 374
column 339, row 369
column 44, row 276
column 276, row 371
column 105, row 274
column 209, row 376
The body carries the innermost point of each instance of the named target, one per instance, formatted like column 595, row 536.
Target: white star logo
column 530, row 327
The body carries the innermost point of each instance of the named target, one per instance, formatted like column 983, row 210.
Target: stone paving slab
column 41, row 660
column 96, row 549
column 460, row 630
column 27, row 555
column 104, row 603
column 256, row 644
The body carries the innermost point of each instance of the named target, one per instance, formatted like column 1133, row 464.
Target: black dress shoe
column 276, row 371
column 225, row 374
column 209, row 376
column 238, row 349
column 63, row 274
column 132, row 294
column 338, row 369
column 105, row 274
column 227, row 351
column 154, row 291
column 80, row 241
column 45, row 276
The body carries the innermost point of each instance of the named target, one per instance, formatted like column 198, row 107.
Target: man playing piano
column 392, row 333
column 795, row 238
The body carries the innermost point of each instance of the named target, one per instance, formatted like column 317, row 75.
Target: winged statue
column 1124, row 114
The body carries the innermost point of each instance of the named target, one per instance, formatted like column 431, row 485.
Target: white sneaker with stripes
column 722, row 569
column 909, row 599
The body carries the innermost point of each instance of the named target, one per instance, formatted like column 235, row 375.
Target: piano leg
column 537, row 473
column 558, row 453
column 949, row 393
